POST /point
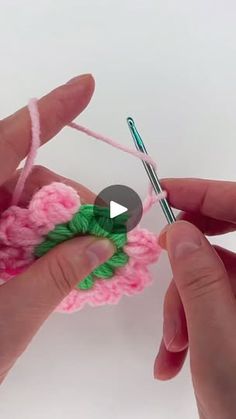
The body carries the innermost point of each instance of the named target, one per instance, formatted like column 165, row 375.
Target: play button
column 117, row 209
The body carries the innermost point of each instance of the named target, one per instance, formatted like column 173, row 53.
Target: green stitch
column 84, row 223
column 86, row 283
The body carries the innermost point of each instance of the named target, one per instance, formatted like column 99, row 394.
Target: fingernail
column 183, row 240
column 99, row 251
column 180, row 216
column 162, row 237
column 169, row 331
column 79, row 79
column 160, row 364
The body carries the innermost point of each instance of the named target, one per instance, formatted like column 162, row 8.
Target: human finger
column 56, row 109
column 207, row 225
column 207, row 197
column 39, row 177
column 27, row 300
column 168, row 364
column 175, row 333
column 205, row 292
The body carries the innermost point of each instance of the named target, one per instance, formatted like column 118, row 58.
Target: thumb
column 202, row 283
column 27, row 300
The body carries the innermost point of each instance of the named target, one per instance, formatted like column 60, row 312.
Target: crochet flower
column 55, row 214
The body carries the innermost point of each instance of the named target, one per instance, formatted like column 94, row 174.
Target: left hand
column 27, row 300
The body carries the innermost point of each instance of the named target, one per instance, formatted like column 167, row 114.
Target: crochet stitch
column 55, row 214
column 83, row 222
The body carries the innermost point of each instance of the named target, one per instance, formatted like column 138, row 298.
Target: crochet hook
column 151, row 171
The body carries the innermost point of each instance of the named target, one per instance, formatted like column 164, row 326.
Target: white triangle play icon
column 116, row 209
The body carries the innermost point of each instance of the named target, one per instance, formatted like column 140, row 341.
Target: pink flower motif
column 21, row 229
column 53, row 204
column 142, row 245
column 143, row 249
column 16, row 228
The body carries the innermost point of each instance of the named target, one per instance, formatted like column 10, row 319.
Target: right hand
column 200, row 306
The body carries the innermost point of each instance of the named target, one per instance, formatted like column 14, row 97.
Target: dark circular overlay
column 114, row 196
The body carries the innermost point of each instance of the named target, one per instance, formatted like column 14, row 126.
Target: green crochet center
column 85, row 223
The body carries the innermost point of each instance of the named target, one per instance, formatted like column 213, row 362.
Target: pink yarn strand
column 113, row 143
column 151, row 198
column 35, row 144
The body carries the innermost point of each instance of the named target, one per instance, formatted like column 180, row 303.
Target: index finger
column 211, row 198
column 56, row 110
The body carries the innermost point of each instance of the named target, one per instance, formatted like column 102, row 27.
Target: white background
column 172, row 66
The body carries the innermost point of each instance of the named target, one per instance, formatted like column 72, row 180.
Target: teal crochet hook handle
column 151, row 171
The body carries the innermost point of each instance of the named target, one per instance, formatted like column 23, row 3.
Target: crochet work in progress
column 55, row 214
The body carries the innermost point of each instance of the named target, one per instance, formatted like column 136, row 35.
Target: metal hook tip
column 130, row 121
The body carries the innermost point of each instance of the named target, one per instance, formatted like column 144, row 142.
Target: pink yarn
column 152, row 198
column 113, row 143
column 35, row 144
column 22, row 229
column 142, row 246
column 54, row 204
